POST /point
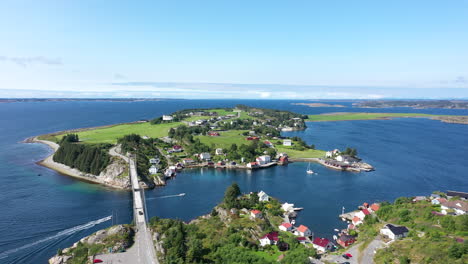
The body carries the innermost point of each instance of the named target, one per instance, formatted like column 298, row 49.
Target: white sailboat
column 309, row 171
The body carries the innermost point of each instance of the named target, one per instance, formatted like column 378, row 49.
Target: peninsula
column 319, row 105
column 416, row 104
column 233, row 138
column 348, row 116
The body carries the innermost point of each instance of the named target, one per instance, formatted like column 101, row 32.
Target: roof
column 253, row 163
column 302, row 228
column 366, row 212
column 458, row 204
column 177, row 147
column 301, row 238
column 459, row 194
column 356, row 219
column 287, row 225
column 345, row 238
column 271, row 236
column 397, row 230
column 375, row 207
column 255, row 211
column 323, row 242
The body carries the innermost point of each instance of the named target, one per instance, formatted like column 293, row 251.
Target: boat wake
column 65, row 232
column 166, row 196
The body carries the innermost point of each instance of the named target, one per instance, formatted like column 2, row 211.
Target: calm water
column 40, row 214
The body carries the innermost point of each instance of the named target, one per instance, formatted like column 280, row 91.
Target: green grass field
column 362, row 116
column 226, row 139
column 309, row 153
column 111, row 134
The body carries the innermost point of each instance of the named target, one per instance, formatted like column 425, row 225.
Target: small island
column 318, row 105
column 416, row 104
column 231, row 138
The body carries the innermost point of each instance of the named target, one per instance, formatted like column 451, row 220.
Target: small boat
column 293, row 222
column 336, row 230
column 181, row 194
column 309, row 171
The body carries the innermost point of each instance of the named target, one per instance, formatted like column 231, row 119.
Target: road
column 142, row 251
column 359, row 257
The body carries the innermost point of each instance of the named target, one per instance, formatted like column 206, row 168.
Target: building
column 268, row 143
column 462, row 195
column 356, row 220
column 346, row 159
column 457, row 207
column 332, row 153
column 255, row 214
column 252, row 165
column 154, row 161
column 213, row 134
column 167, row 118
column 346, row 240
column 205, row 156
column 362, row 214
column 303, row 230
column 188, row 161
column 322, row 244
column 285, row 227
column 419, row 198
column 269, row 239
column 287, row 142
column 394, row 232
column 287, row 207
column 153, row 170
column 283, row 159
column 177, row 148
column 219, row 151
column 302, row 240
column 262, row 160
column 374, row 207
column 438, row 200
column 263, row 197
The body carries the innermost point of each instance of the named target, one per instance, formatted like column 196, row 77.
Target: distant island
column 416, row 104
column 318, row 105
column 29, row 100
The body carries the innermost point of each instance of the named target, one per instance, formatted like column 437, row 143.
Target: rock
column 59, row 259
column 119, row 229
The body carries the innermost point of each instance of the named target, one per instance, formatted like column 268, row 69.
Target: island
column 230, row 138
column 319, row 105
column 416, row 104
column 349, row 116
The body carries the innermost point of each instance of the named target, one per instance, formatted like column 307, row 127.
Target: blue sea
column 42, row 211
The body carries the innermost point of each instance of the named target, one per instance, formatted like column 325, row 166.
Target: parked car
column 345, row 256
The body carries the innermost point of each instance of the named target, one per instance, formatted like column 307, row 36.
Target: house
column 287, row 207
column 200, row 122
column 394, row 232
column 285, row 227
column 303, row 230
column 262, row 160
column 269, row 239
column 205, row 156
column 283, row 159
column 287, row 142
column 322, row 244
column 459, row 207
column 263, row 197
column 188, row 161
column 331, row 153
column 356, row 220
column 154, row 161
column 220, row 163
column 362, row 214
column 252, row 133
column 345, row 240
column 419, row 198
column 252, row 138
column 219, row 151
column 374, row 207
column 170, row 172
column 153, row 170
column 213, row 134
column 438, row 200
column 462, row 195
column 252, row 165
column 268, row 143
column 167, row 118
column 255, row 214
column 346, row 159
column 177, row 148
column 302, row 240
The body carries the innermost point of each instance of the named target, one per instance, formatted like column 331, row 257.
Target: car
column 349, row 255
column 140, row 212
column 97, row 261
column 345, row 256
column 345, row 263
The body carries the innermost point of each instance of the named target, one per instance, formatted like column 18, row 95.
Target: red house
column 252, row 138
column 346, row 240
column 213, row 134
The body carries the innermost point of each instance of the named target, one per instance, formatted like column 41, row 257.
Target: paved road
column 365, row 257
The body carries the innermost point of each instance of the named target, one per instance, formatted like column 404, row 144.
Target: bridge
column 142, row 251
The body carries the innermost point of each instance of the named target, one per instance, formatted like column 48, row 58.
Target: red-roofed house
column 213, row 134
column 285, row 227
column 177, row 148
column 365, row 205
column 322, row 244
column 362, row 214
column 268, row 143
column 255, row 214
column 346, row 240
column 357, row 220
column 375, row 207
column 269, row 239
column 283, row 159
column 302, row 240
column 252, row 165
column 303, row 230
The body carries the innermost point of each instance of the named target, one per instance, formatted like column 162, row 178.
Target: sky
column 234, row 49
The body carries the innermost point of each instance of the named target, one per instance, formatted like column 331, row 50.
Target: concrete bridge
column 142, row 250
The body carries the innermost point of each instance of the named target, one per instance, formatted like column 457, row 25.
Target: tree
column 231, row 194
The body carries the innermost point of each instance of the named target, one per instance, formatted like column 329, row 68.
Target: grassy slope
column 363, row 116
column 309, row 153
column 226, row 139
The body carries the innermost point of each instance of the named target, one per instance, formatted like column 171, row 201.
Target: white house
column 219, row 151
column 287, row 142
column 255, row 214
column 394, row 232
column 332, row 153
column 269, row 239
column 153, row 170
column 287, row 207
column 459, row 207
column 362, row 214
column 263, row 197
column 154, row 161
column 167, row 118
column 252, row 165
column 188, row 161
column 356, row 220
column 285, row 227
column 262, row 160
column 322, row 244
column 303, row 231
column 200, row 122
column 205, row 156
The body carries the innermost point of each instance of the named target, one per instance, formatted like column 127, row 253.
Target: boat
column 336, row 230
column 181, row 194
column 309, row 171
column 293, row 222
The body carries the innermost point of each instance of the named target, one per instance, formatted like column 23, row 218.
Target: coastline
column 63, row 169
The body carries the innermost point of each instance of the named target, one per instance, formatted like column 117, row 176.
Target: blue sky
column 234, row 49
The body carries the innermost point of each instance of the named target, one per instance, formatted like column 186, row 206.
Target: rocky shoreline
column 112, row 176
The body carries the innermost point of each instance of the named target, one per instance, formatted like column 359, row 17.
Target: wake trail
column 166, row 196
column 65, row 232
